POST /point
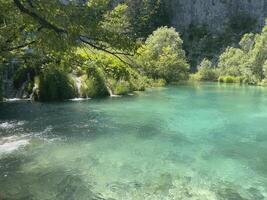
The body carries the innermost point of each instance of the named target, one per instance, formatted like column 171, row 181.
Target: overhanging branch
column 19, row 46
column 46, row 24
column 42, row 21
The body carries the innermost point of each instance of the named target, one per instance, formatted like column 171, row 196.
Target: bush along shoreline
column 123, row 47
column 246, row 64
column 159, row 60
column 93, row 74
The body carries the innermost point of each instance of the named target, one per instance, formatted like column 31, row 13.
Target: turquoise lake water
column 205, row 142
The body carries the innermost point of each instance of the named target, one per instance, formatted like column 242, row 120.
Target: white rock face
column 214, row 13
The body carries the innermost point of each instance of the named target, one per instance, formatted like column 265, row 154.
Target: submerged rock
column 230, row 194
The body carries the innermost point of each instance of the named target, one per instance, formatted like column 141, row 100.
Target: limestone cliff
column 214, row 13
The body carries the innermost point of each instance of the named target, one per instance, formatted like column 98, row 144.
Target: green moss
column 221, row 79
column 93, row 84
column 263, row 83
column 156, row 83
column 122, row 87
column 230, row 79
column 56, row 85
column 138, row 83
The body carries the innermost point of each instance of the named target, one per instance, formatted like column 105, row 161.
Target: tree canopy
column 60, row 25
column 162, row 55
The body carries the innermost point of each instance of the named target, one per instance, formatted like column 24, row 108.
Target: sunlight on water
column 205, row 142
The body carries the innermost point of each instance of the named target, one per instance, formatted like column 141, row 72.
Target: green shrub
column 122, row 87
column 248, row 60
column 93, row 84
column 221, row 79
column 230, row 79
column 162, row 56
column 137, row 81
column 55, row 85
column 206, row 72
column 156, row 82
column 138, row 84
column 194, row 77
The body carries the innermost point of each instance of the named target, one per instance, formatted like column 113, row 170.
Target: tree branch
column 115, row 54
column 19, row 46
column 46, row 24
column 42, row 21
column 86, row 40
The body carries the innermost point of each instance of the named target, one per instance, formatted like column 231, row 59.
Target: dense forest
column 57, row 50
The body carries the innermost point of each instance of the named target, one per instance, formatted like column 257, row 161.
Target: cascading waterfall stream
column 78, row 83
column 33, row 91
column 109, row 90
column 111, row 94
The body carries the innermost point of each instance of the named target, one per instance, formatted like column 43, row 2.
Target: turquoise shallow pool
column 206, row 142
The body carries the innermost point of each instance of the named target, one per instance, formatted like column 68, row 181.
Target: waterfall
column 10, row 93
column 111, row 93
column 107, row 84
column 33, row 91
column 78, row 83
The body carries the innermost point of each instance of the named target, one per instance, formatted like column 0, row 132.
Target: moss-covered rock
column 120, row 87
column 138, row 84
column 93, row 84
column 55, row 85
column 156, row 83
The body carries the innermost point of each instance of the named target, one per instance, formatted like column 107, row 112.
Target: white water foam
column 11, row 124
column 13, row 143
column 116, row 96
column 80, row 99
column 16, row 99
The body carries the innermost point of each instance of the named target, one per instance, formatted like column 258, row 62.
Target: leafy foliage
column 249, row 60
column 230, row 62
column 162, row 56
column 55, row 85
column 60, row 25
column 230, row 79
column 206, row 71
column 94, row 83
column 120, row 87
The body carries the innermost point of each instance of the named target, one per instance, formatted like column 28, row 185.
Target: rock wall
column 214, row 13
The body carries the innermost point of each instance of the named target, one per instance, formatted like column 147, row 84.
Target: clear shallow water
column 206, row 142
